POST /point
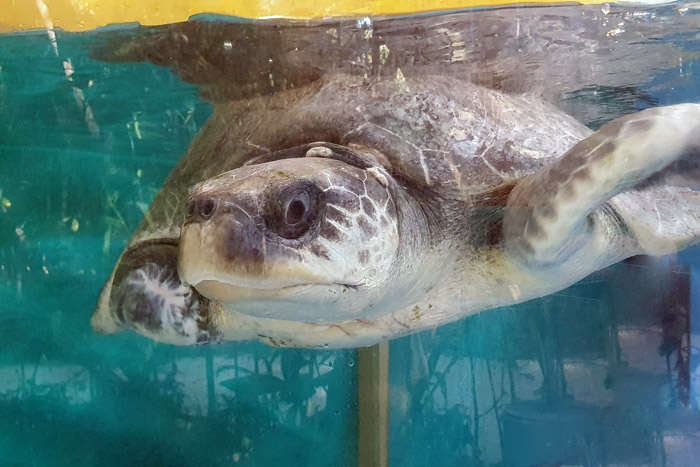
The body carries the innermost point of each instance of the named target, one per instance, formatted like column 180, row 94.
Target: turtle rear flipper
column 553, row 215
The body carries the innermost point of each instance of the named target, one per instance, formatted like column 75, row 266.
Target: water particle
column 383, row 54
column 365, row 22
column 614, row 32
column 399, row 75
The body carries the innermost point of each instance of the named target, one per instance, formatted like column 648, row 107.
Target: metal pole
column 373, row 401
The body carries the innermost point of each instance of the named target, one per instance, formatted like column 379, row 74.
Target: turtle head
column 312, row 239
column 319, row 239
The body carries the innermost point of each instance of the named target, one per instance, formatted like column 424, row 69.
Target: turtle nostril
column 207, row 207
column 191, row 208
column 202, row 209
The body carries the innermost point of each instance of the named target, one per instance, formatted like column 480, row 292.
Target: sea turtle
column 347, row 211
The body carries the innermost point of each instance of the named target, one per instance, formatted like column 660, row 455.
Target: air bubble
column 605, row 8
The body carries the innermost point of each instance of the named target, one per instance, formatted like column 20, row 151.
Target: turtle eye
column 293, row 211
column 296, row 209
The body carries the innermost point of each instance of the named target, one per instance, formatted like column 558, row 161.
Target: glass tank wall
column 84, row 148
column 602, row 373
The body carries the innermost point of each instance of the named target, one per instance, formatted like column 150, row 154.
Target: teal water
column 80, row 160
column 603, row 373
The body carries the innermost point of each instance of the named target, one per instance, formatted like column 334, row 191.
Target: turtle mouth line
column 224, row 283
column 221, row 283
column 227, row 292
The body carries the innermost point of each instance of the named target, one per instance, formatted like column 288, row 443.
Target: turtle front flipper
column 562, row 213
column 145, row 294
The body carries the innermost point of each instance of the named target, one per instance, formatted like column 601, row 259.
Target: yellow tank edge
column 86, row 15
